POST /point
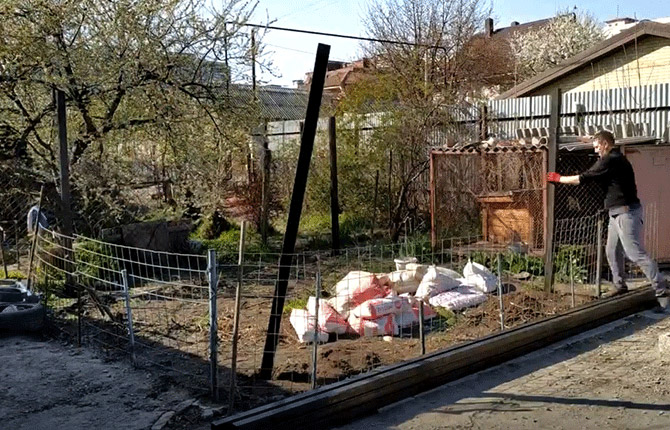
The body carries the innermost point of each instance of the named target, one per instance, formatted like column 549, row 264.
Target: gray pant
column 625, row 237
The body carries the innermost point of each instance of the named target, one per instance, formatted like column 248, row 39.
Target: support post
column 483, row 122
column 295, row 209
column 500, row 294
column 374, row 207
column 16, row 245
column 213, row 280
column 422, row 333
column 316, row 323
column 433, row 233
column 36, row 234
column 552, row 155
column 265, row 197
column 129, row 315
column 236, row 319
column 572, row 281
column 2, row 252
column 599, row 255
column 334, row 199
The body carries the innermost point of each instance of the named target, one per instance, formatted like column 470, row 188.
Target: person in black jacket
column 614, row 173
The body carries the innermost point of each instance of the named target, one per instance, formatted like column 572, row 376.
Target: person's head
column 603, row 142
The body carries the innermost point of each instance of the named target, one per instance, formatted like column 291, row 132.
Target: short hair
column 605, row 136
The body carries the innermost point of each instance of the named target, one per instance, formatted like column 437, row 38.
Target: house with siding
column 624, row 78
column 635, row 57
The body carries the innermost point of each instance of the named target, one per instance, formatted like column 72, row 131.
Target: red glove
column 553, row 177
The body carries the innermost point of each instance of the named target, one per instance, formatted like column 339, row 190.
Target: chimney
column 488, row 27
column 514, row 23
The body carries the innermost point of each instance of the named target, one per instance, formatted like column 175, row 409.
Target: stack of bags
column 371, row 304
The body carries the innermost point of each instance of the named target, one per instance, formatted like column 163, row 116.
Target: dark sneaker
column 615, row 292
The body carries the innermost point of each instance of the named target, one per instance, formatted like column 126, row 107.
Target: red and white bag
column 329, row 319
column 376, row 308
column 384, row 326
column 411, row 316
column 304, row 325
column 354, row 289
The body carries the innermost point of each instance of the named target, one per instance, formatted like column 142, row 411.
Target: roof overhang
column 578, row 61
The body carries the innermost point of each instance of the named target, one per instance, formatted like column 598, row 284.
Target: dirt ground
column 612, row 377
column 49, row 384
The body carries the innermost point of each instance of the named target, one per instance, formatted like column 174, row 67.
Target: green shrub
column 228, row 243
column 294, row 304
column 15, row 274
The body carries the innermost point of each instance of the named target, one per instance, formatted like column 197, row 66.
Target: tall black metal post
column 295, row 209
column 552, row 156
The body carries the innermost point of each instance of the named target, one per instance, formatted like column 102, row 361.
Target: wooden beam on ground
column 343, row 401
column 295, row 209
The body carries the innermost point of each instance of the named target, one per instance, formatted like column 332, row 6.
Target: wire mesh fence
column 17, row 196
column 150, row 304
column 365, row 306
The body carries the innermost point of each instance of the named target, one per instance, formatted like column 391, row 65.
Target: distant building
column 617, row 25
column 341, row 75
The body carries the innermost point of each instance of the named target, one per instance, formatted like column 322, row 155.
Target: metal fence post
column 500, row 293
column 572, row 280
column 236, row 319
column 212, row 277
column 316, row 323
column 16, row 245
column 422, row 333
column 129, row 313
column 36, row 234
column 599, row 255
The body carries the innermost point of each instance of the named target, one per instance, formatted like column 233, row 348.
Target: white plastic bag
column 404, row 281
column 304, row 325
column 462, row 297
column 479, row 276
column 435, row 282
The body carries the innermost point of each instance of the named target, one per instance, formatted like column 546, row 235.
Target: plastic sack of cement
column 376, row 308
column 434, row 282
column 459, row 298
column 480, row 277
column 354, row 289
column 404, row 281
column 329, row 319
column 304, row 325
column 383, row 326
column 411, row 316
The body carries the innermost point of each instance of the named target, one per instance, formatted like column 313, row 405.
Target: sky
column 292, row 54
